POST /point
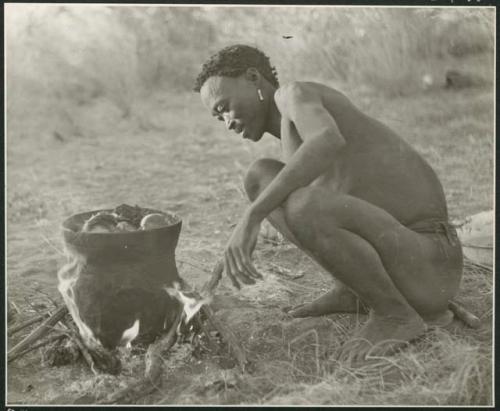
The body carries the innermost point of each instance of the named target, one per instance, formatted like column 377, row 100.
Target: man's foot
column 338, row 300
column 439, row 320
column 381, row 335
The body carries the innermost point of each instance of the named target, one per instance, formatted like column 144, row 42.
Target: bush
column 62, row 58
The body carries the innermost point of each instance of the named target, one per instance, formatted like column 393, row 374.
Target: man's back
column 378, row 166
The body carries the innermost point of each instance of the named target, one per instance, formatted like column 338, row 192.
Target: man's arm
column 321, row 140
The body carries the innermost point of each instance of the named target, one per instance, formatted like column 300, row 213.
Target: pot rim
column 122, row 234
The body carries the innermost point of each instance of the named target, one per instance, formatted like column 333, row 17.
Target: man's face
column 235, row 101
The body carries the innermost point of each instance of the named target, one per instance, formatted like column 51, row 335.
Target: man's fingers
column 230, row 274
column 254, row 271
column 230, row 262
column 244, row 265
column 234, row 263
column 248, row 267
column 240, row 268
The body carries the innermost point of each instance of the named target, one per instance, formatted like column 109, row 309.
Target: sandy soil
column 189, row 166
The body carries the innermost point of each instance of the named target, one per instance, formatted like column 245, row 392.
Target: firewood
column 228, row 336
column 39, row 345
column 97, row 358
column 225, row 332
column 212, row 283
column 26, row 324
column 153, row 369
column 85, row 352
column 39, row 332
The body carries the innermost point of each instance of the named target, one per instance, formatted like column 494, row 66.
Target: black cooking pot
column 122, row 276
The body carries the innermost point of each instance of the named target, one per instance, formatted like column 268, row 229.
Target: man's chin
column 253, row 137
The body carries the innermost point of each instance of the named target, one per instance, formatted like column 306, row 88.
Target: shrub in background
column 62, row 59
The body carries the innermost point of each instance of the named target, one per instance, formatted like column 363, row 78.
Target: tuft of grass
column 442, row 369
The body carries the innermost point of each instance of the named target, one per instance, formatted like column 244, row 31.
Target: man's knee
column 259, row 175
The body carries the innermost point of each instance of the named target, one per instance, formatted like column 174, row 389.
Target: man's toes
column 353, row 352
column 290, row 308
column 442, row 320
column 302, row 310
column 387, row 347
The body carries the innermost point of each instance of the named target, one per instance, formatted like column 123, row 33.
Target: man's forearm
column 311, row 160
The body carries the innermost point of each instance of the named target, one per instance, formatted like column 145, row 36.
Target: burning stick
column 153, row 369
column 228, row 336
column 97, row 357
column 210, row 286
column 224, row 331
column 38, row 333
column 85, row 352
column 207, row 290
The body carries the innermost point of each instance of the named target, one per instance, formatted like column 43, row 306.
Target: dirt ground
column 180, row 160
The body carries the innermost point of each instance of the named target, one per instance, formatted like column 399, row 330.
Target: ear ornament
column 259, row 92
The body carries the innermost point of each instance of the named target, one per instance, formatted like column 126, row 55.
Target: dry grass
column 194, row 168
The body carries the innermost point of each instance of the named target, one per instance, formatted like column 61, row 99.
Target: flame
column 68, row 276
column 130, row 334
column 190, row 305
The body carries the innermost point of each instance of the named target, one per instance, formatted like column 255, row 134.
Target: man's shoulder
column 296, row 93
column 300, row 89
column 305, row 90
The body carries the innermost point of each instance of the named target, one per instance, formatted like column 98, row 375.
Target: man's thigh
column 424, row 268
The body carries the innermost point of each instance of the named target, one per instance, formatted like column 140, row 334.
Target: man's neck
column 274, row 116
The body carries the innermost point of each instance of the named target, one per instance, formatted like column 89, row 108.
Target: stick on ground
column 228, row 336
column 461, row 313
column 224, row 331
column 39, row 345
column 26, row 324
column 38, row 333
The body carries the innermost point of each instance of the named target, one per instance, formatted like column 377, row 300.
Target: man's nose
column 230, row 124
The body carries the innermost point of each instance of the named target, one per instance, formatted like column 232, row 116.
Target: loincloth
column 436, row 226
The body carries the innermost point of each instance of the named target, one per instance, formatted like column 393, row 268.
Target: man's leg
column 389, row 267
column 338, row 300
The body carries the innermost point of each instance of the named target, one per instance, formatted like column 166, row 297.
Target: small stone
column 28, row 388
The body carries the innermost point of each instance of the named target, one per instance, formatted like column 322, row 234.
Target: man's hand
column 238, row 255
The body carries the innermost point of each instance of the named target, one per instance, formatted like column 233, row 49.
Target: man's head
column 237, row 85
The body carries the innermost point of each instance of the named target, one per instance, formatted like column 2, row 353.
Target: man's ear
column 253, row 75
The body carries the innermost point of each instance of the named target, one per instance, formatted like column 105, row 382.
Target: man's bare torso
column 375, row 165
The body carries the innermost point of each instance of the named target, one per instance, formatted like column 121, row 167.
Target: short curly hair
column 232, row 61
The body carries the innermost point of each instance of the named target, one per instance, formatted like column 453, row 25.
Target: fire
column 190, row 305
column 129, row 334
column 68, row 276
